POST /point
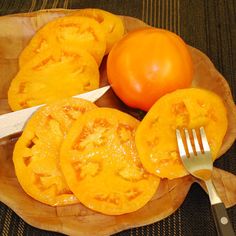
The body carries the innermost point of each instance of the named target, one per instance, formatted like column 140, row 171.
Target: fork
column 198, row 162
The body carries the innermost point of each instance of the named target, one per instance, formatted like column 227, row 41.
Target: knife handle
column 223, row 225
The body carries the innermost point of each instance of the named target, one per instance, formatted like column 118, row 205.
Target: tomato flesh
column 100, row 163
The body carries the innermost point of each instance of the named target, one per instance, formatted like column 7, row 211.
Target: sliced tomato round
column 101, row 165
column 185, row 108
column 36, row 153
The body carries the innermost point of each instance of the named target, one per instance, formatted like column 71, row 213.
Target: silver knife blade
column 13, row 122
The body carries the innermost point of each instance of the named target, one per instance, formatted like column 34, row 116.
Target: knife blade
column 13, row 122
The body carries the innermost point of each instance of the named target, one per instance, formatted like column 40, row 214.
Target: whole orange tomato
column 148, row 63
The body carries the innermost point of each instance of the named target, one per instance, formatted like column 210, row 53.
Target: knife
column 13, row 122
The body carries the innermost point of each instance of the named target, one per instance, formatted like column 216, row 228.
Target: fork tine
column 189, row 145
column 205, row 144
column 196, row 143
column 182, row 152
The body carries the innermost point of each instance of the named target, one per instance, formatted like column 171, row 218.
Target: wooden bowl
column 77, row 219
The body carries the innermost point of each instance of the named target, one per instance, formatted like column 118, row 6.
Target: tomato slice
column 186, row 108
column 101, row 165
column 68, row 33
column 111, row 24
column 36, row 153
column 51, row 76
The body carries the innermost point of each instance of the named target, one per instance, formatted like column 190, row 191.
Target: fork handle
column 221, row 218
column 223, row 225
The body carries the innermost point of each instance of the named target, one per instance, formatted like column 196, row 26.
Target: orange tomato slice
column 53, row 75
column 101, row 165
column 186, row 108
column 111, row 24
column 68, row 33
column 36, row 153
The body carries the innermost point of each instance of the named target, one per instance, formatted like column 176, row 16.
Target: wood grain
column 77, row 219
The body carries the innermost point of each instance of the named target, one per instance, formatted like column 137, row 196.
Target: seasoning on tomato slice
column 36, row 153
column 101, row 164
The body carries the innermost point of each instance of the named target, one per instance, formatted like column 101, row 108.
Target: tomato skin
column 146, row 64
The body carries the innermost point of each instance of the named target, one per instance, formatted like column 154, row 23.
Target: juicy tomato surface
column 111, row 24
column 100, row 163
column 189, row 108
column 36, row 153
column 148, row 63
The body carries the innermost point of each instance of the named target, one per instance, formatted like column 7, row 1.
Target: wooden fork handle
column 223, row 225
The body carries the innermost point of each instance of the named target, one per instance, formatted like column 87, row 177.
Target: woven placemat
column 207, row 25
